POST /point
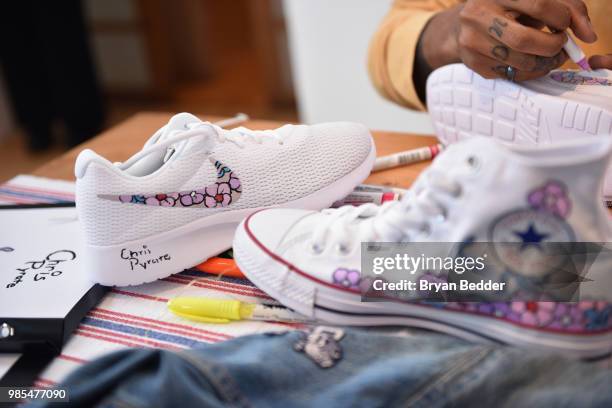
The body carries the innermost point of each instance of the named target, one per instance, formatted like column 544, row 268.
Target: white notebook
column 44, row 291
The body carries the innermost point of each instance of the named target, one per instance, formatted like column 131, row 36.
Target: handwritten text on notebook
column 49, row 266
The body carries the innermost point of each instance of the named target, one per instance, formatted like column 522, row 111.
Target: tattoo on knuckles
column 545, row 64
column 497, row 27
column 500, row 52
column 542, row 64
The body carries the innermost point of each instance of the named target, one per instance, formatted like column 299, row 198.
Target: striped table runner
column 136, row 316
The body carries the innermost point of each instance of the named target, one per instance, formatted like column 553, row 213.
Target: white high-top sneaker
column 478, row 190
column 178, row 201
column 562, row 105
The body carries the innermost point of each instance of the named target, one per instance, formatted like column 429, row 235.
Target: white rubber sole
column 155, row 257
column 293, row 288
column 462, row 104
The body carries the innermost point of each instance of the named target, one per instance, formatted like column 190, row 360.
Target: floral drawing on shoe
column 574, row 78
column 234, row 182
column 347, row 278
column 221, row 169
column 165, row 200
column 539, row 314
column 495, row 309
column 569, row 317
column 218, row 195
column 598, row 315
column 134, row 199
column 552, row 197
column 581, row 317
column 225, row 191
column 189, row 198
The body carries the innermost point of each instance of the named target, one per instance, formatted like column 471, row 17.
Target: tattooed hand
column 490, row 35
column 493, row 34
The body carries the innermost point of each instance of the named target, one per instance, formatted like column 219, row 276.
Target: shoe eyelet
column 473, row 162
column 373, row 246
column 425, row 230
column 343, row 249
column 458, row 191
column 316, row 249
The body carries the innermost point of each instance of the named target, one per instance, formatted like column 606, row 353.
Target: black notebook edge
column 27, row 368
column 34, row 360
column 89, row 300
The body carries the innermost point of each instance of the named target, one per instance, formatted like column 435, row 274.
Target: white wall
column 328, row 43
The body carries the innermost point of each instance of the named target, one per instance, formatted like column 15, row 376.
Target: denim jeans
column 330, row 367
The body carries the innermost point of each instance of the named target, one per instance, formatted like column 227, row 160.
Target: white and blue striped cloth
column 137, row 316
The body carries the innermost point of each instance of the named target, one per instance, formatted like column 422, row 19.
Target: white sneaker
column 562, row 105
column 178, row 201
column 311, row 261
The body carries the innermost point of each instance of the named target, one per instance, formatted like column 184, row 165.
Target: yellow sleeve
column 392, row 50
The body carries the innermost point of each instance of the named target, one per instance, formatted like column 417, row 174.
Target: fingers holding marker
column 546, row 64
column 580, row 20
column 476, row 21
column 492, row 68
column 519, row 60
column 550, row 12
column 601, row 61
column 558, row 15
column 527, row 63
column 492, row 36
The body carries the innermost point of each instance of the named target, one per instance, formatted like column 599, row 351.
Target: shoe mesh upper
column 312, row 157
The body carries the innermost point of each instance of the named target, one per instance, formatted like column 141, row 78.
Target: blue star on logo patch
column 531, row 237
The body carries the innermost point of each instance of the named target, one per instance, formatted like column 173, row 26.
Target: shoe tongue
column 150, row 163
column 178, row 123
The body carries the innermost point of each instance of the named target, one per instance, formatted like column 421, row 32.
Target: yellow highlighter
column 225, row 311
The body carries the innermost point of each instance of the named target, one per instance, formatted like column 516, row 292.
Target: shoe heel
column 156, row 257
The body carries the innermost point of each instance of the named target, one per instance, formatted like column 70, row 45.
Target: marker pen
column 225, row 311
column 575, row 53
column 373, row 188
column 407, row 157
column 361, row 197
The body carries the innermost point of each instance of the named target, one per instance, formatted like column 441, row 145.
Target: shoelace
column 239, row 136
column 394, row 221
